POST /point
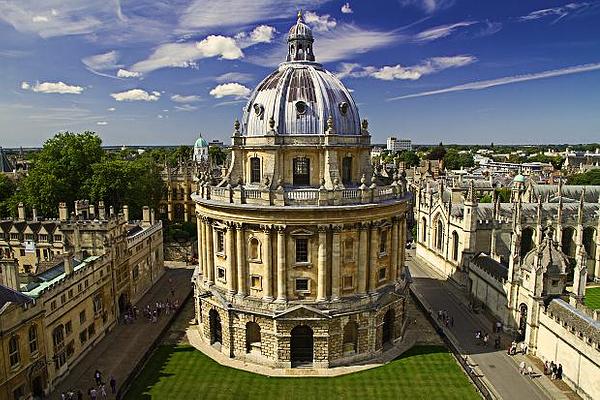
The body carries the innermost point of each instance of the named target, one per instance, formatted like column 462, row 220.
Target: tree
column 592, row 177
column 7, row 190
column 217, row 155
column 455, row 160
column 410, row 158
column 437, row 153
column 59, row 171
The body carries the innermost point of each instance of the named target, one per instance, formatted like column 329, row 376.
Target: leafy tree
column 7, row 190
column 410, row 158
column 592, row 177
column 455, row 160
column 217, row 155
column 437, row 153
column 59, row 171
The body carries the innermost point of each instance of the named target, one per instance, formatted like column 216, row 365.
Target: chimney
column 101, row 211
column 126, row 212
column 63, row 212
column 152, row 217
column 10, row 273
column 111, row 211
column 146, row 215
column 35, row 216
column 92, row 212
column 68, row 261
column 21, row 211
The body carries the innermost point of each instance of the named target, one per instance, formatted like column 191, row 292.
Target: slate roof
column 575, row 318
column 592, row 192
column 5, row 164
column 491, row 266
column 8, row 295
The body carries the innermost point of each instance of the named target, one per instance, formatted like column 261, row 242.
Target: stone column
column 281, row 272
column 230, row 249
column 335, row 263
column 374, row 255
column 268, row 281
column 322, row 265
column 401, row 246
column 199, row 230
column 394, row 253
column 363, row 259
column 242, row 279
column 210, row 253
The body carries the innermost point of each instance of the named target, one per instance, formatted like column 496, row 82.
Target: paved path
column 119, row 352
column 499, row 368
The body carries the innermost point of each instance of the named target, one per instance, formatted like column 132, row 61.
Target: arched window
column 423, row 230
column 589, row 243
column 33, row 341
column 346, row 170
column 455, row 246
column 527, row 240
column 13, row 351
column 254, row 170
column 439, row 235
column 254, row 250
column 58, row 337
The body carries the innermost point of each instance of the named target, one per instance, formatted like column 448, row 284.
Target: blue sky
column 161, row 72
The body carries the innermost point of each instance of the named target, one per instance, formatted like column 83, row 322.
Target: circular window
column 344, row 107
column 301, row 107
column 258, row 109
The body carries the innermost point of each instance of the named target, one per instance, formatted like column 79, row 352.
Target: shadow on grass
column 152, row 372
column 422, row 350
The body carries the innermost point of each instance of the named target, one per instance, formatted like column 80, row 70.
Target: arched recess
column 350, row 343
column 589, row 244
column 301, row 345
column 439, row 234
column 454, row 246
column 254, row 249
column 568, row 241
column 253, row 338
column 527, row 240
column 423, row 230
column 387, row 334
column 216, row 335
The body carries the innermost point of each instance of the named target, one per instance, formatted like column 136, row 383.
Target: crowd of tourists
column 97, row 392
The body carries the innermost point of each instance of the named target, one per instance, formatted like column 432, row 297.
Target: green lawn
column 182, row 372
column 592, row 298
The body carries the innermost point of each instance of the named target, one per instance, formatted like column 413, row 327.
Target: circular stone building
column 301, row 244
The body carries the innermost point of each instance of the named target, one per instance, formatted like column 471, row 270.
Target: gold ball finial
column 299, row 14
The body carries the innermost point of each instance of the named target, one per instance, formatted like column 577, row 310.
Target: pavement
column 120, row 351
column 498, row 370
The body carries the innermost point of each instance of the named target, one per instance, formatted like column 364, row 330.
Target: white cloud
column 177, row 98
column 320, row 23
column 393, row 72
column 230, row 89
column 102, row 62
column 52, row 87
column 346, row 9
column 234, row 76
column 559, row 12
column 136, row 95
column 479, row 85
column 185, row 55
column 439, row 32
column 40, row 18
column 102, row 123
column 260, row 34
column 123, row 73
column 203, row 14
column 186, row 107
column 429, row 6
column 111, row 109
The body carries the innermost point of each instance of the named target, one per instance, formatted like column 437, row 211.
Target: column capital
column 337, row 228
column 280, row 228
column 239, row 226
column 362, row 226
column 322, row 228
column 266, row 228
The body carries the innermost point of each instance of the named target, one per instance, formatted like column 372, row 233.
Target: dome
column 201, row 142
column 548, row 257
column 300, row 96
column 519, row 178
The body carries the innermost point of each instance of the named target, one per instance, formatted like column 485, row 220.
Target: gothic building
column 301, row 245
column 527, row 262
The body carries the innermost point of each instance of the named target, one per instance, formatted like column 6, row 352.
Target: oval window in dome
column 259, row 109
column 344, row 108
column 301, row 107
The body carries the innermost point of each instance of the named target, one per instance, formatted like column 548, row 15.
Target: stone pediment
column 302, row 312
column 301, row 232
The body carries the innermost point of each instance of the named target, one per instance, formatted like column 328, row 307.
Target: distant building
column 396, row 145
column 581, row 160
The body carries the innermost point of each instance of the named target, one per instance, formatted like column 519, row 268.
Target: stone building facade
column 108, row 264
column 301, row 256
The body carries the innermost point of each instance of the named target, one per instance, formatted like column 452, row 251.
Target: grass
column 182, row 372
column 592, row 298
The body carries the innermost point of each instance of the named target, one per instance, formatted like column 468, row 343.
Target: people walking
column 113, row 385
column 98, row 377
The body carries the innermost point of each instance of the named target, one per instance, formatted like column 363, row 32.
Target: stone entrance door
column 388, row 327
column 301, row 346
column 216, row 335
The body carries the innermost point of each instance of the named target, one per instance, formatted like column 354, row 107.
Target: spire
column 471, row 192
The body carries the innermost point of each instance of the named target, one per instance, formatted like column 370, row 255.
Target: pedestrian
column 559, row 372
column 79, row 394
column 103, row 392
column 63, row 396
column 439, row 315
column 530, row 371
column 98, row 377
column 93, row 394
column 452, row 321
column 498, row 326
column 546, row 367
column 486, row 338
column 553, row 370
column 497, row 343
column 113, row 384
column 522, row 367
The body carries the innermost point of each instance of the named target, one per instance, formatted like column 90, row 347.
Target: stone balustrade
column 288, row 196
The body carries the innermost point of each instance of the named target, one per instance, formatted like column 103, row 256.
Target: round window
column 344, row 107
column 258, row 109
column 301, row 107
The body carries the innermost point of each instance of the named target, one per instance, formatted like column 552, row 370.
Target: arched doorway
column 387, row 334
column 522, row 322
column 301, row 346
column 216, row 335
column 351, row 338
column 253, row 344
column 123, row 303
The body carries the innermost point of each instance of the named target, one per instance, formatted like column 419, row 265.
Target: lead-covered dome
column 300, row 96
